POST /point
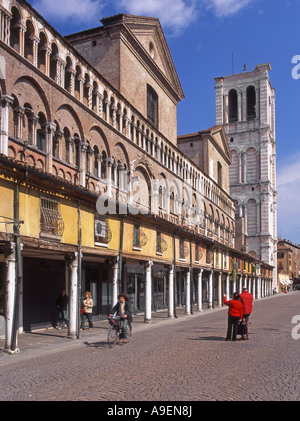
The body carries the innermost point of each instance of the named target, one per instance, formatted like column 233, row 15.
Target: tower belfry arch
column 245, row 106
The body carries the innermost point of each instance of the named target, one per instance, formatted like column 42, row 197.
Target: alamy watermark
column 296, row 68
column 296, row 329
column 137, row 196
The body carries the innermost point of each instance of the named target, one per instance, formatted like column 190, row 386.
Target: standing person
column 87, row 306
column 123, row 309
column 247, row 301
column 235, row 315
column 62, row 307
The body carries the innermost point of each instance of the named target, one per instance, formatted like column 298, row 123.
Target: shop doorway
column 136, row 291
column 96, row 278
column 42, row 281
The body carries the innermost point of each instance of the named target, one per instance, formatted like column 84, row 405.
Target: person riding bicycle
column 123, row 309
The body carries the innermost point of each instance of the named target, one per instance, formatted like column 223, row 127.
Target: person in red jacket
column 247, row 301
column 235, row 315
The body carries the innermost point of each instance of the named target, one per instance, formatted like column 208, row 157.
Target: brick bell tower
column 245, row 106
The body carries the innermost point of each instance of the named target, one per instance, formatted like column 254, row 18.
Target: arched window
column 67, row 145
column 152, row 106
column 40, row 133
column 251, row 103
column 77, row 82
column 15, row 29
column 96, row 161
column 103, row 165
column 53, row 61
column 42, row 52
column 29, row 34
column 233, row 105
column 55, row 141
column 28, row 124
column 68, row 73
column 220, row 175
column 86, row 90
column 77, row 150
column 94, row 97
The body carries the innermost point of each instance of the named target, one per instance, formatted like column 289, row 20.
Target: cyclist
column 123, row 309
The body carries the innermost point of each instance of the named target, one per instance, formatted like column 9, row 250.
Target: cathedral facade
column 95, row 193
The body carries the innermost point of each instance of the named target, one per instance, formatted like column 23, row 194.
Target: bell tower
column 245, row 106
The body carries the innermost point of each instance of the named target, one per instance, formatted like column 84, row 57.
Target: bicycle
column 115, row 330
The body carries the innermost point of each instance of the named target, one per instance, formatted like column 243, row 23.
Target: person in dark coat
column 123, row 309
column 62, row 307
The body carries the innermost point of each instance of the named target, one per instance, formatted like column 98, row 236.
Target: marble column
column 148, row 292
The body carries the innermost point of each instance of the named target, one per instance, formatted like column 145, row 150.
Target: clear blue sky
column 202, row 35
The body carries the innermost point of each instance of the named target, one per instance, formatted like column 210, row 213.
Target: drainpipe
column 17, row 223
column 121, row 254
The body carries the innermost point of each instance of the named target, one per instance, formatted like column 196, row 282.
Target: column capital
column 7, row 100
column 110, row 161
column 149, row 264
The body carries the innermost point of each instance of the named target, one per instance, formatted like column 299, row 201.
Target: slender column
column 82, row 164
column 180, row 289
column 148, row 291
column 109, row 164
column 250, row 284
column 106, row 105
column 227, row 287
column 240, row 284
column 47, row 61
column 239, row 168
column 210, row 290
column 114, row 116
column 81, row 88
column 72, row 81
column 10, row 262
column 20, row 113
column 115, row 285
column 99, row 104
column 220, row 289
column 226, row 110
column 259, row 287
column 188, row 292
column 171, row 292
column 50, row 130
column 6, row 102
column 90, row 96
column 133, row 125
column 128, row 127
column 73, row 297
column 35, row 43
column 239, row 106
column 254, row 287
column 33, row 122
column 120, row 116
column 199, row 285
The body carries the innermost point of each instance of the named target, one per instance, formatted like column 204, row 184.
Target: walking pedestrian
column 235, row 315
column 87, row 307
column 62, row 307
column 247, row 301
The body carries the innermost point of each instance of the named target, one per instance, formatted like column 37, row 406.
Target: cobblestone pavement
column 185, row 359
